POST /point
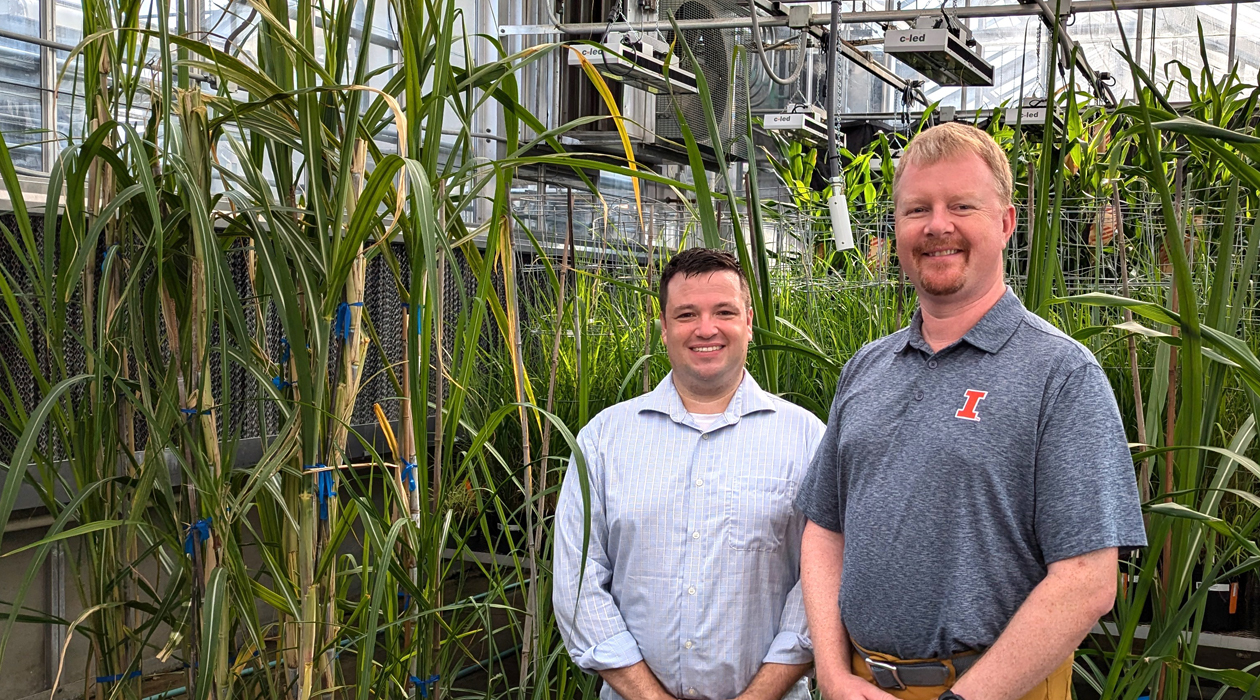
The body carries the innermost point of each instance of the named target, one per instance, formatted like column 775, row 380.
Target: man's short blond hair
column 954, row 140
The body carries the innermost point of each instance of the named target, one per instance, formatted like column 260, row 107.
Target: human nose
column 707, row 327
column 939, row 221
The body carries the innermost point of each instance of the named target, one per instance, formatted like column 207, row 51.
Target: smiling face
column 706, row 326
column 952, row 228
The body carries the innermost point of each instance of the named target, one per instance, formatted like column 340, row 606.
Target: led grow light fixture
column 638, row 61
column 805, row 122
column 942, row 49
column 1032, row 113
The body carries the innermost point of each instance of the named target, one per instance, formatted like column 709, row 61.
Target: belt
column 891, row 675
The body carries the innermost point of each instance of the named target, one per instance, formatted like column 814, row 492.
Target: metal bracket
column 799, row 16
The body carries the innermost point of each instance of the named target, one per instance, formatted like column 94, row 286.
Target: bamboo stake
column 354, row 348
column 1144, row 483
column 439, row 318
column 545, row 444
column 528, row 641
column 409, row 454
column 1170, row 424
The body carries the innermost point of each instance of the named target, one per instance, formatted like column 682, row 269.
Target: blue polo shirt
column 958, row 476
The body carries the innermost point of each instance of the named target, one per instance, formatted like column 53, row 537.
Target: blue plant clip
column 325, row 487
column 409, row 473
column 341, row 320
column 423, row 685
column 105, row 680
column 198, row 532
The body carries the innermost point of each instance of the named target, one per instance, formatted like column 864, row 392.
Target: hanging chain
column 1039, row 87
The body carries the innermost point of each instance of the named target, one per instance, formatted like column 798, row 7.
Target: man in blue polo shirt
column 973, row 488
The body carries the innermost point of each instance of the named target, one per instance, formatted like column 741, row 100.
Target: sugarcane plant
column 1191, row 547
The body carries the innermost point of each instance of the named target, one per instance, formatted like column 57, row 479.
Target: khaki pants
column 1057, row 687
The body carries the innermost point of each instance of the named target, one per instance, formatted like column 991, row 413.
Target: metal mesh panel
column 241, row 414
column 382, row 304
column 19, row 381
column 714, row 51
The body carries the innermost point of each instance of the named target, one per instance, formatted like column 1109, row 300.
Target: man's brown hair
column 698, row 261
column 953, row 140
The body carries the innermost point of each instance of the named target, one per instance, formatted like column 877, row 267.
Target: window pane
column 1177, row 39
column 1100, row 40
column 68, row 15
column 1016, row 48
column 69, row 117
column 860, row 91
column 1247, row 46
column 20, row 16
column 19, row 63
column 20, row 124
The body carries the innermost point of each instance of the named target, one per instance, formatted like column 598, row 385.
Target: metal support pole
column 833, row 35
column 56, row 607
column 48, row 80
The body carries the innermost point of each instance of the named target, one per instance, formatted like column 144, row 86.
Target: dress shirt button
column 691, row 691
column 695, row 535
column 699, row 482
column 704, row 437
column 691, row 591
column 931, row 364
column 688, row 644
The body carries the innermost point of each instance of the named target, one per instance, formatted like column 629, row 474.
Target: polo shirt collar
column 749, row 398
column 998, row 324
column 992, row 331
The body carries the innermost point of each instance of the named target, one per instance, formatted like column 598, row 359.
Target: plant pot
column 1251, row 602
column 1224, row 609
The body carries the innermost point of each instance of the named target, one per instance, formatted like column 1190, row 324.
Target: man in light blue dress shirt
column 690, row 587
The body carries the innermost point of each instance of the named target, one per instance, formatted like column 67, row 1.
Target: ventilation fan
column 714, row 51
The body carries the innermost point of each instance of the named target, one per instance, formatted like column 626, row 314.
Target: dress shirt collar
column 748, row 398
column 996, row 327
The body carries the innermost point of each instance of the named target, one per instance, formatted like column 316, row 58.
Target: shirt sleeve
column 1086, row 485
column 819, row 496
column 591, row 626
column 791, row 644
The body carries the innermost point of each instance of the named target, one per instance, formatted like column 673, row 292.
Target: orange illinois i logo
column 968, row 411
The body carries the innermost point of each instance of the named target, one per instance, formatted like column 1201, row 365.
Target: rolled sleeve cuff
column 790, row 648
column 618, row 651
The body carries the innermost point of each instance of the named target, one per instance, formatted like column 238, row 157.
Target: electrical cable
column 617, row 12
column 761, row 50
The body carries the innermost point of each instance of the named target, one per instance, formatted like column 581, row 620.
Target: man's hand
column 773, row 681
column 848, row 686
column 635, row 682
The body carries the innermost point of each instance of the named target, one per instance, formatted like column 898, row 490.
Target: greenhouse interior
column 309, row 308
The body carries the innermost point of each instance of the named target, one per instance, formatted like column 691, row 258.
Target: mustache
column 936, row 246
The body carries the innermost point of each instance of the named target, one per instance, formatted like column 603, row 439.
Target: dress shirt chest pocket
column 758, row 509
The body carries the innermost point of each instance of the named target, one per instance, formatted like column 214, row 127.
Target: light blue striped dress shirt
column 694, row 557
